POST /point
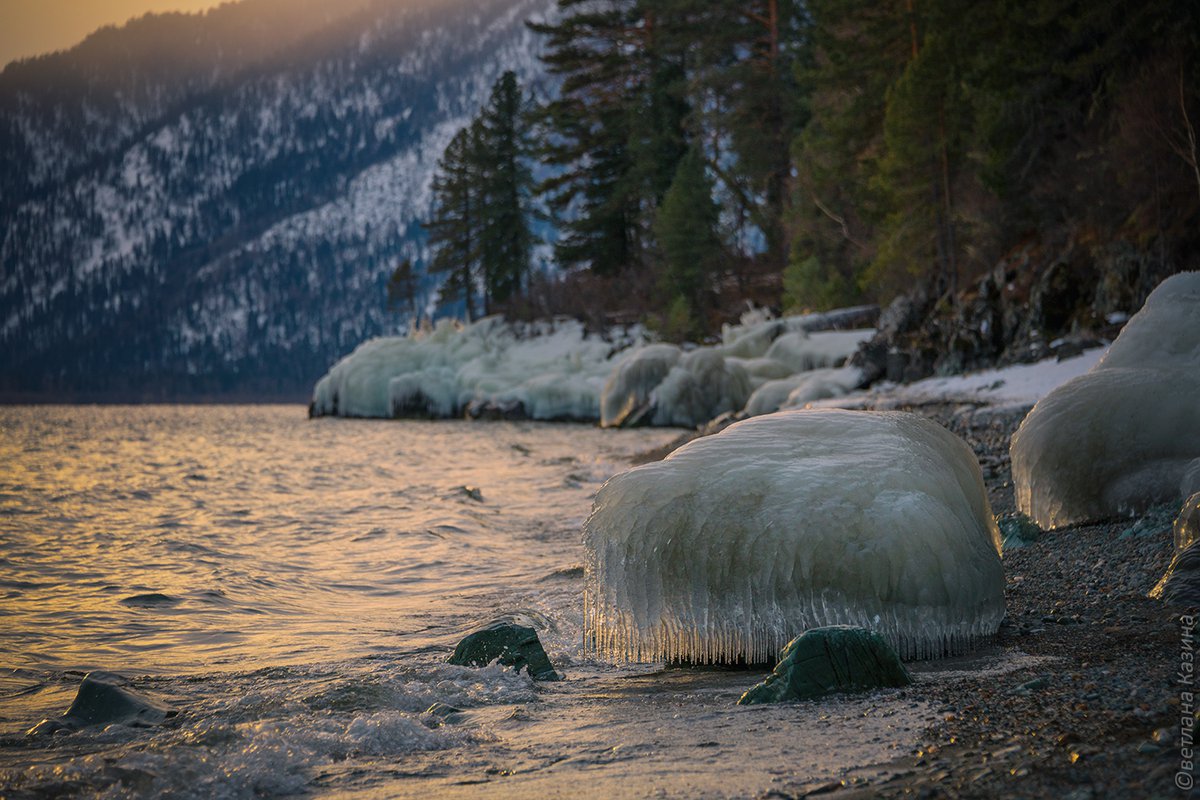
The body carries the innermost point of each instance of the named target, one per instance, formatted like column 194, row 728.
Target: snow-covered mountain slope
column 169, row 229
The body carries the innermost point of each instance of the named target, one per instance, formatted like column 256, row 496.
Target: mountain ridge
column 241, row 241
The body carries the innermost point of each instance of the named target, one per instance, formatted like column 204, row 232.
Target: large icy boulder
column 738, row 542
column 626, row 397
column 701, row 386
column 1126, row 435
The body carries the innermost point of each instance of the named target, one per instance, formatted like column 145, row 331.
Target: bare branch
column 841, row 221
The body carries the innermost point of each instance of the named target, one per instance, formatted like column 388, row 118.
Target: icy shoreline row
column 558, row 371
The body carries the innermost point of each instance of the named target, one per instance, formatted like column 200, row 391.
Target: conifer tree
column 615, row 132
column 686, row 229
column 506, row 242
column 455, row 225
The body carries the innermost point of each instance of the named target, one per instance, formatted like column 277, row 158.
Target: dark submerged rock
column 823, row 661
column 496, row 410
column 514, row 645
column 102, row 699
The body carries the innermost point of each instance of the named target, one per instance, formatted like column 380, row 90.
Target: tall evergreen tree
column 686, row 229
column 506, row 242
column 615, row 132
column 455, row 226
column 479, row 227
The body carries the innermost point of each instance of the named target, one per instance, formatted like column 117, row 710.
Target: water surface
column 293, row 588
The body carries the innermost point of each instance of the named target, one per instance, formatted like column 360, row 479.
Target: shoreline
column 1098, row 712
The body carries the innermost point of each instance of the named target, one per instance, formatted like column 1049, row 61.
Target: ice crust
column 798, row 390
column 552, row 371
column 1125, row 435
column 738, row 542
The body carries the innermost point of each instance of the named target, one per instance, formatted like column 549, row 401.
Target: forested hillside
column 705, row 154
column 224, row 204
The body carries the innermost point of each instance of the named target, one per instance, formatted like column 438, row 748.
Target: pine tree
column 455, row 224
column 686, row 229
column 402, row 289
column 615, row 132
column 506, row 242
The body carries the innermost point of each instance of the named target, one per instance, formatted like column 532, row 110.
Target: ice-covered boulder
column 1126, row 435
column 627, row 392
column 702, row 385
column 1180, row 584
column 807, row 351
column 798, row 390
column 737, row 542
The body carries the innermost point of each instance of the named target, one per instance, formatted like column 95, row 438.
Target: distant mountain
column 186, row 211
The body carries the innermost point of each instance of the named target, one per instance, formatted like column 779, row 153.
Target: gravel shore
column 1093, row 707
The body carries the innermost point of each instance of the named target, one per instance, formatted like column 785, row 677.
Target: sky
column 33, row 27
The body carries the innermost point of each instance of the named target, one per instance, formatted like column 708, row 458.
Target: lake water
column 294, row 587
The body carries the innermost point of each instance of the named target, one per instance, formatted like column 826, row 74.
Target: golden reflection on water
column 176, row 537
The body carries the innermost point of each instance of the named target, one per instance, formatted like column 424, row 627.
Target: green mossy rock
column 824, row 661
column 1017, row 530
column 514, row 645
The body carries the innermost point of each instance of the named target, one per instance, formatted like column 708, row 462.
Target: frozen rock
column 1017, row 530
column 102, row 699
column 737, row 542
column 1187, row 524
column 515, row 646
column 1180, row 584
column 799, row 390
column 701, row 386
column 551, row 370
column 1126, row 435
column 626, row 398
column 808, row 351
column 832, row 660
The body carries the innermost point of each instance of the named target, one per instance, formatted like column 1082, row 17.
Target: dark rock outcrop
column 823, row 661
column 1046, row 298
column 102, row 699
column 516, row 646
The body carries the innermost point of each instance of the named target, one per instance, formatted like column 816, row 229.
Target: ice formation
column 628, row 389
column 662, row 385
column 552, row 371
column 798, row 390
column 738, row 542
column 558, row 371
column 1125, row 435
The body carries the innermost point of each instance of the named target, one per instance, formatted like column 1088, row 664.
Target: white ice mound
column 738, row 542
column 798, row 390
column 660, row 384
column 1126, row 435
column 549, row 370
column 703, row 385
column 628, row 389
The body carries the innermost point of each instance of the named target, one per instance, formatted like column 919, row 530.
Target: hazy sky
column 33, row 27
